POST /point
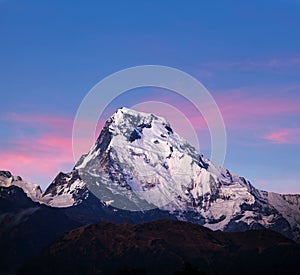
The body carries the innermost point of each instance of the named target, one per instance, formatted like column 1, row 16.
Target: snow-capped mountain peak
column 143, row 154
column 32, row 190
column 67, row 189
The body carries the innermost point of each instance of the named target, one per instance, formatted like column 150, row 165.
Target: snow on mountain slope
column 141, row 152
column 32, row 190
column 138, row 163
column 288, row 206
column 65, row 190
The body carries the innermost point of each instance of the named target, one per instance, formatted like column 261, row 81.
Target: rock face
column 139, row 163
column 65, row 190
column 166, row 247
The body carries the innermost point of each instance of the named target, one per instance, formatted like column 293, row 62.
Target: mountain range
column 138, row 170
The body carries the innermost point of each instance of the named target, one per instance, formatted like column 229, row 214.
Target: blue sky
column 247, row 54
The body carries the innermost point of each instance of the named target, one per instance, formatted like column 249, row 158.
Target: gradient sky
column 246, row 53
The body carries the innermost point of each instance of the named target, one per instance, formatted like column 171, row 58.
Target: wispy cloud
column 248, row 64
column 284, row 136
column 46, row 154
column 251, row 108
column 42, row 153
column 42, row 121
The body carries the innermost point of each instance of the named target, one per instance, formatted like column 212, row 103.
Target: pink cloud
column 242, row 110
column 273, row 63
column 38, row 158
column 40, row 155
column 284, row 136
column 257, row 107
column 43, row 121
column 243, row 107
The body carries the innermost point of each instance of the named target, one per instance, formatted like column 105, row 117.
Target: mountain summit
column 139, row 163
column 143, row 163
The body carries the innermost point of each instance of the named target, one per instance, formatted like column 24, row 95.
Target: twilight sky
column 246, row 54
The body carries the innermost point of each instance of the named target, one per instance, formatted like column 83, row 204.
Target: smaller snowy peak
column 66, row 190
column 33, row 191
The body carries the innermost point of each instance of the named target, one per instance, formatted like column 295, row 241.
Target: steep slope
column 67, row 189
column 164, row 247
column 139, row 163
